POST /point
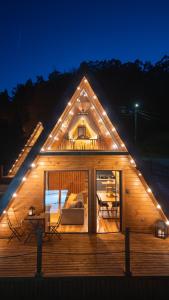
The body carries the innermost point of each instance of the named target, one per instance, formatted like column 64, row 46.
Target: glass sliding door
column 66, row 200
column 108, row 200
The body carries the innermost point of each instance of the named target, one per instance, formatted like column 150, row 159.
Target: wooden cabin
column 81, row 173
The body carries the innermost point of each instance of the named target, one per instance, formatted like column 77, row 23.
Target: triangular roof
column 52, row 129
column 84, row 105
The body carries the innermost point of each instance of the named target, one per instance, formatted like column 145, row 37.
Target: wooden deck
column 86, row 255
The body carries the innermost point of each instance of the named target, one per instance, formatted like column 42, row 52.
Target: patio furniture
column 16, row 229
column 53, row 228
column 34, row 223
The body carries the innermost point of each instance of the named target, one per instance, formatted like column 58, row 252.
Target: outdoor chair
column 16, row 229
column 53, row 228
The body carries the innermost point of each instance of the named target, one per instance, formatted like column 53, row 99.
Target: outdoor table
column 36, row 222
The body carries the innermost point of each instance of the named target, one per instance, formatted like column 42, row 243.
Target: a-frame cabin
column 81, row 173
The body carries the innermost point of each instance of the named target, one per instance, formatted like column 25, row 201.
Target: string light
column 94, row 97
column 78, row 88
column 56, row 138
column 139, row 174
column 113, row 129
column 132, row 161
column 100, row 120
column 33, row 165
column 64, row 126
column 92, row 107
column 107, row 133
column 104, row 113
column 4, row 212
column 50, row 135
column 149, row 190
column 115, row 146
column 158, row 206
column 122, row 145
column 14, row 195
column 71, row 113
column 42, row 149
column 24, row 179
column 49, row 148
column 167, row 222
column 69, row 104
column 78, row 100
column 85, row 80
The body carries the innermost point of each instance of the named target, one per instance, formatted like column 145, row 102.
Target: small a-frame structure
column 80, row 171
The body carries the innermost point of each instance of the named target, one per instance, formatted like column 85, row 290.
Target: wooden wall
column 139, row 211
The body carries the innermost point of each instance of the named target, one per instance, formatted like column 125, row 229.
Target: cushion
column 72, row 205
column 80, row 197
column 79, row 204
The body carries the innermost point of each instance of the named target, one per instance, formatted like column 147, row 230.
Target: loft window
column 81, row 132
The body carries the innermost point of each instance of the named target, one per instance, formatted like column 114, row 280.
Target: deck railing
column 127, row 257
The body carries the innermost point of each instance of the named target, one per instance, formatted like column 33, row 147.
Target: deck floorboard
column 86, row 255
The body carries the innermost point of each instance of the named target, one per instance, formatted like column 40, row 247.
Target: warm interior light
column 78, row 100
column 71, row 113
column 158, row 206
column 115, row 146
column 49, row 148
column 100, row 120
column 92, row 107
column 107, row 133
column 56, row 138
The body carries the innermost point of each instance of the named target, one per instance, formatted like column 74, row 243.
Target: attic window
column 82, row 132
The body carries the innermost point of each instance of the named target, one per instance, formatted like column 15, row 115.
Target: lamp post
column 136, row 106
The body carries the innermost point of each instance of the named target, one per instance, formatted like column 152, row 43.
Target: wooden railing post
column 127, row 252
column 39, row 253
column 1, row 171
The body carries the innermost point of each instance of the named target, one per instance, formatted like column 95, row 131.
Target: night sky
column 38, row 36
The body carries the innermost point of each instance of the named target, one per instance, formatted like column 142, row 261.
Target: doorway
column 108, row 201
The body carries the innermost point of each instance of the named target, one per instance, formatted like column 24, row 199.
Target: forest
column 123, row 84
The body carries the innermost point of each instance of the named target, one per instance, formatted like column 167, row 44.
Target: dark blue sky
column 38, row 36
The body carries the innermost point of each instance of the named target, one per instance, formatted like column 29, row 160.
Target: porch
column 86, row 255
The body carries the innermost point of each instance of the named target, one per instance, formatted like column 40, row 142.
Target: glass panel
column 108, row 200
column 66, row 199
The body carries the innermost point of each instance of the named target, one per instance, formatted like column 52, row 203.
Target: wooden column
column 91, row 204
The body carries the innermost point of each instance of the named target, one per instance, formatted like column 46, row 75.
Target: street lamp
column 136, row 106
